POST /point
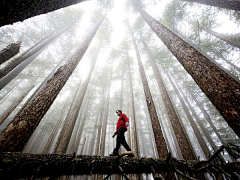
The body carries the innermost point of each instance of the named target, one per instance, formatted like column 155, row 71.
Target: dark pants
column 121, row 140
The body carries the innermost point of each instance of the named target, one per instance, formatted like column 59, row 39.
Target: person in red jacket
column 122, row 124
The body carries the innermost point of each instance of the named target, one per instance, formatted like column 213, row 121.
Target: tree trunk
column 19, row 10
column 16, row 135
column 159, row 138
column 80, row 128
column 50, row 140
column 207, row 117
column 226, row 4
column 222, row 37
column 105, row 115
column 16, row 61
column 94, row 133
column 83, row 145
column 72, row 118
column 10, row 51
column 220, row 88
column 178, row 128
column 15, row 165
column 10, row 71
column 132, row 112
column 14, row 105
column 193, row 124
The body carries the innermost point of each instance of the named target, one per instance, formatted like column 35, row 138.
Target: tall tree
column 72, row 118
column 105, row 113
column 233, row 5
column 182, row 138
column 132, row 112
column 157, row 130
column 17, row 133
column 223, row 38
column 18, row 10
column 10, row 51
column 220, row 88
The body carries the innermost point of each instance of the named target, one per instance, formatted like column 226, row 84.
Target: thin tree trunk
column 193, row 124
column 17, row 65
column 64, row 141
column 16, row 135
column 19, row 10
column 207, row 117
column 222, row 90
column 157, row 130
column 10, row 51
column 94, row 133
column 47, row 146
column 14, row 105
column 132, row 112
column 105, row 115
column 222, row 37
column 226, row 4
column 83, row 145
column 80, row 128
column 178, row 128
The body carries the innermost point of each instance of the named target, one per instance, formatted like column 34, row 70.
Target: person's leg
column 124, row 143
column 118, row 143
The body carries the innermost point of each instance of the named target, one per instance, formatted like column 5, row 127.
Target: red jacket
column 122, row 122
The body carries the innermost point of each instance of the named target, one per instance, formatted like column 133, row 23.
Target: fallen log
column 16, row 165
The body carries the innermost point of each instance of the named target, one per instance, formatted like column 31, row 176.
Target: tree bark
column 14, row 105
column 222, row 90
column 222, row 37
column 157, row 130
column 181, row 135
column 19, row 10
column 226, row 4
column 15, row 165
column 72, row 118
column 10, row 51
column 17, row 133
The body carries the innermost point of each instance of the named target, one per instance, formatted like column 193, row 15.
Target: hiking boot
column 130, row 155
column 114, row 154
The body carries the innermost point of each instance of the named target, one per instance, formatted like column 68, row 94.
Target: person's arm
column 126, row 119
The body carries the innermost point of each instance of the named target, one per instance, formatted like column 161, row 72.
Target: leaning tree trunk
column 17, row 133
column 222, row 37
column 18, row 10
column 159, row 138
column 181, row 135
column 206, row 116
column 72, row 118
column 10, row 71
column 192, row 123
column 10, row 51
column 14, row 105
column 233, row 5
column 220, row 88
column 16, row 61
